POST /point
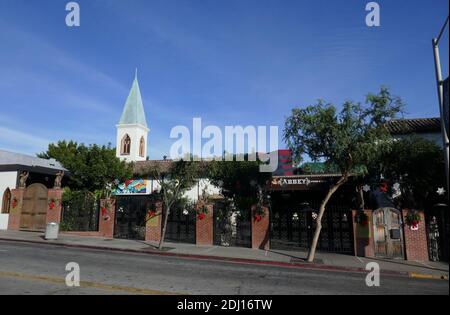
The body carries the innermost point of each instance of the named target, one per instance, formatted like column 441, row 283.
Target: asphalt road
column 40, row 269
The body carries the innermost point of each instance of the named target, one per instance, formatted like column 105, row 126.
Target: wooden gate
column 34, row 208
column 388, row 233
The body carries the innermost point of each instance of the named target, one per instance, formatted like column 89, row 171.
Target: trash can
column 51, row 232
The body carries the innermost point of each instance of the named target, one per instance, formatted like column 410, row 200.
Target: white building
column 132, row 130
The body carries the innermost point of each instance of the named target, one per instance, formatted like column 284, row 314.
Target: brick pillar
column 107, row 217
column 205, row 227
column 416, row 247
column 54, row 209
column 363, row 235
column 154, row 224
column 260, row 229
column 15, row 212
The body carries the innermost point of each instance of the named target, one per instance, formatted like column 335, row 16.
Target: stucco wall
column 135, row 132
column 4, row 221
column 7, row 180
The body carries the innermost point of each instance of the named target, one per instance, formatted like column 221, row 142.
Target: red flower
column 151, row 213
column 201, row 216
column 51, row 205
column 14, row 203
column 104, row 211
column 384, row 187
column 258, row 218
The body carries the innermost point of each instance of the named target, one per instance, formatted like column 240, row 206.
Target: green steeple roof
column 133, row 112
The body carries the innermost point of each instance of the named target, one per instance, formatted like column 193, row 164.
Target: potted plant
column 413, row 219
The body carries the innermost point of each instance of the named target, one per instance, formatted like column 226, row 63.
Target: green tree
column 239, row 179
column 349, row 140
column 174, row 178
column 91, row 167
column 417, row 164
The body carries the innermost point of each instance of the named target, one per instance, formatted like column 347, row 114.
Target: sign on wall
column 132, row 186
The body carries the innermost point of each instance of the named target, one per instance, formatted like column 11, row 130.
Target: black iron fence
column 80, row 211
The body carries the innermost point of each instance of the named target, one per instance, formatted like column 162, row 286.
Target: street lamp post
column 440, row 85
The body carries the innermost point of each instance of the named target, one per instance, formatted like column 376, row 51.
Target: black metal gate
column 181, row 225
column 232, row 228
column 130, row 216
column 438, row 228
column 294, row 229
column 79, row 211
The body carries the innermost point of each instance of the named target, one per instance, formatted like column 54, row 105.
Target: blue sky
column 230, row 62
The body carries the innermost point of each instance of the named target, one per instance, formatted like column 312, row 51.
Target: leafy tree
column 174, row 178
column 239, row 180
column 91, row 167
column 348, row 140
column 417, row 164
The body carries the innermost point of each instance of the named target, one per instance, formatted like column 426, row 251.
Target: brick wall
column 416, row 247
column 107, row 217
column 204, row 228
column 54, row 215
column 153, row 225
column 14, row 213
column 363, row 235
column 261, row 230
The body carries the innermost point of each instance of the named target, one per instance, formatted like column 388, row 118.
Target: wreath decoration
column 151, row 213
column 14, row 203
column 105, row 210
column 258, row 213
column 202, row 211
column 362, row 218
column 53, row 203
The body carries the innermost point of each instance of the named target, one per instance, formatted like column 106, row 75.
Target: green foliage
column 80, row 210
column 176, row 179
column 91, row 167
column 417, row 164
column 348, row 140
column 239, row 180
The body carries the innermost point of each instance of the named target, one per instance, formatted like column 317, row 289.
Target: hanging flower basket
column 413, row 219
column 53, row 203
column 202, row 211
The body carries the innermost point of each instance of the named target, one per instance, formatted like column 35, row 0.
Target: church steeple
column 132, row 130
column 133, row 111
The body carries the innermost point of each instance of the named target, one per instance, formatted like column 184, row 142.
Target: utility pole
column 440, row 85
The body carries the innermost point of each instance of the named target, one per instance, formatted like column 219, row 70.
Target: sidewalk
column 325, row 261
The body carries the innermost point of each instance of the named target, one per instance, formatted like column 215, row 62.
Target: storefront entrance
column 294, row 229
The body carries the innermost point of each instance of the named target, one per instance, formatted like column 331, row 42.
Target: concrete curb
column 311, row 266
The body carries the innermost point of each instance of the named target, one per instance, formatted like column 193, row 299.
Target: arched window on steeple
column 142, row 147
column 6, row 204
column 125, row 145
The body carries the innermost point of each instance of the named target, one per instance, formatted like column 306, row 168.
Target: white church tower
column 132, row 130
